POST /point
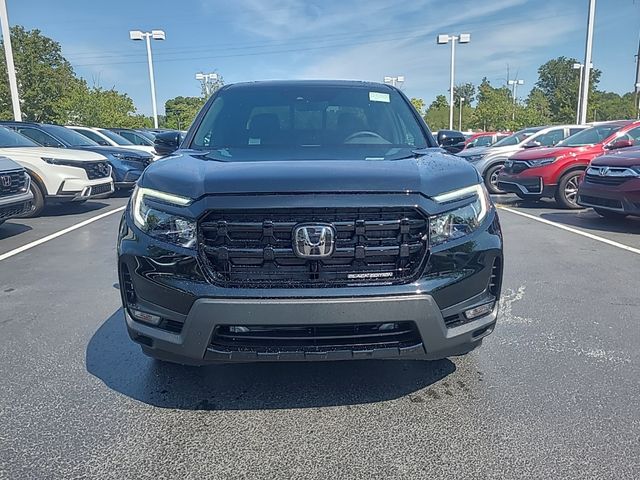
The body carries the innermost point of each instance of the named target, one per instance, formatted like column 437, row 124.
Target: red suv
column 556, row 172
column 612, row 184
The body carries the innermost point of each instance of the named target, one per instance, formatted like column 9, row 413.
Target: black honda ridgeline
column 308, row 220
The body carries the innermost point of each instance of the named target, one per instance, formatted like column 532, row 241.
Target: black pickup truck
column 308, row 220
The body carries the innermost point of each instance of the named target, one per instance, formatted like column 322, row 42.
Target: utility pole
column 443, row 40
column 207, row 80
column 584, row 100
column 514, row 89
column 11, row 68
column 460, row 122
column 637, row 85
column 394, row 81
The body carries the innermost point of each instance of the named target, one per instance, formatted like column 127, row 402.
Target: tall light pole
column 206, row 79
column 443, row 40
column 11, row 69
column 156, row 35
column 637, row 84
column 579, row 66
column 460, row 122
column 514, row 93
column 394, row 80
column 584, row 98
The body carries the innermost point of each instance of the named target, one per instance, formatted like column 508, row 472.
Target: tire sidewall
column 487, row 178
column 560, row 197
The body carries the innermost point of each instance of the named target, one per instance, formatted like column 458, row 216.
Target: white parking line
column 574, row 230
column 35, row 243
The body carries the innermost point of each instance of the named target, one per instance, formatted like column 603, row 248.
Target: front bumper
column 193, row 344
column 81, row 190
column 15, row 205
column 624, row 198
column 525, row 186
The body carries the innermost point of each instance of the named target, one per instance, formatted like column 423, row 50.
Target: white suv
column 105, row 137
column 57, row 175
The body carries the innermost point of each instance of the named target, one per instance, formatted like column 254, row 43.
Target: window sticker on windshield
column 254, row 141
column 379, row 97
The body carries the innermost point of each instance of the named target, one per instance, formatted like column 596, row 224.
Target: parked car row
column 577, row 165
column 43, row 164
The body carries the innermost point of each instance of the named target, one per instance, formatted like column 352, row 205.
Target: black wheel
column 529, row 198
column 609, row 214
column 491, row 178
column 37, row 204
column 567, row 191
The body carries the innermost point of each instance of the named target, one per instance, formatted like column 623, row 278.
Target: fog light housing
column 479, row 311
column 145, row 317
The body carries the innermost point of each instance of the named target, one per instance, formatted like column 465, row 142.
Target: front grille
column 8, row 212
column 99, row 189
column 515, row 167
column 598, row 180
column 254, row 248
column 600, row 202
column 16, row 183
column 314, row 338
column 96, row 170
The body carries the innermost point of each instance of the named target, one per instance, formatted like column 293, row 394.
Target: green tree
column 418, row 103
column 559, row 82
column 44, row 77
column 437, row 115
column 611, row 106
column 536, row 111
column 495, row 108
column 181, row 111
column 466, row 91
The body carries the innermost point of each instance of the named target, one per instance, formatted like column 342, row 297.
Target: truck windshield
column 309, row 121
column 9, row 138
column 590, row 136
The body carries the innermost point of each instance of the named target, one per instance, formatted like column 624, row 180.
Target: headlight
column 539, row 162
column 636, row 169
column 159, row 224
column 474, row 158
column 60, row 161
column 461, row 221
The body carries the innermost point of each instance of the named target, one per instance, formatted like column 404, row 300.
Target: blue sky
column 354, row 39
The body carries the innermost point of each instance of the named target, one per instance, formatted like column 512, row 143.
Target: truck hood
column 191, row 174
column 50, row 152
column 625, row 157
column 7, row 164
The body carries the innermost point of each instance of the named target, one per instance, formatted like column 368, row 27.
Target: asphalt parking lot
column 553, row 393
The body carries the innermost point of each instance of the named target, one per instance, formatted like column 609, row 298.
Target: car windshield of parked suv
column 590, row 136
column 9, row 139
column 516, row 138
column 68, row 136
column 120, row 140
column 309, row 122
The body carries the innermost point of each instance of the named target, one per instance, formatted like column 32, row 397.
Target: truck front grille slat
column 254, row 248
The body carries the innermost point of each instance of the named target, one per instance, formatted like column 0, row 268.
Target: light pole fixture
column 206, row 79
column 394, row 80
column 579, row 66
column 11, row 69
column 443, row 39
column 584, row 97
column 460, row 122
column 155, row 35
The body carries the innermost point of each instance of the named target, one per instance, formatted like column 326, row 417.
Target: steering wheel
column 364, row 133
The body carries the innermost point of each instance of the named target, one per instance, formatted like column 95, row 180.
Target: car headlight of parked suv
column 160, row 224
column 463, row 220
column 540, row 162
column 474, row 158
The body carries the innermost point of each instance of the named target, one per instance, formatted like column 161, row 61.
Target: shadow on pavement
column 71, row 208
column 590, row 220
column 11, row 228
column 113, row 358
